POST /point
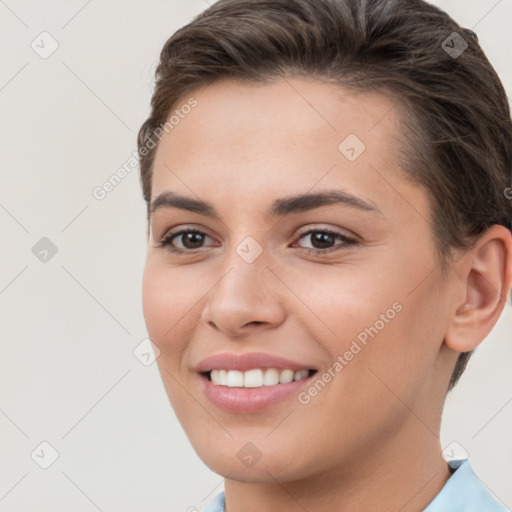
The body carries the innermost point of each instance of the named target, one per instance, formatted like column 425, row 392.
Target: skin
column 370, row 439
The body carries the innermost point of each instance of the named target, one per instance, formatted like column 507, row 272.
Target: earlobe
column 487, row 277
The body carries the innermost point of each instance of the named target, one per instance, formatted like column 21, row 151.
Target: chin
column 243, row 462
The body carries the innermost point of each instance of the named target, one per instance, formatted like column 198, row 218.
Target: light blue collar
column 217, row 505
column 464, row 492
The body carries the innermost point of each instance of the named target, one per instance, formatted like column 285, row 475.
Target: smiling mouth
column 256, row 377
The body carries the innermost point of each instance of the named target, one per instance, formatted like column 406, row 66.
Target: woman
column 329, row 214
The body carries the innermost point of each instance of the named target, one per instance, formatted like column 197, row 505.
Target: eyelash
column 166, row 241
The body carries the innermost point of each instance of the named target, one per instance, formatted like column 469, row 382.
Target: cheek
column 400, row 356
column 374, row 322
column 344, row 303
column 166, row 304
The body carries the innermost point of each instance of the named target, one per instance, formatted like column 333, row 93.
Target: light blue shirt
column 463, row 492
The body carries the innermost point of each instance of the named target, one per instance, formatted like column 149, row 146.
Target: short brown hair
column 457, row 126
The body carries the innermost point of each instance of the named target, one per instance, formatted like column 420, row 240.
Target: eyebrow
column 280, row 207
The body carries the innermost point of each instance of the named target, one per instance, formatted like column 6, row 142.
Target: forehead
column 256, row 141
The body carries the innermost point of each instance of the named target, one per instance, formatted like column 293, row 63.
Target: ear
column 486, row 273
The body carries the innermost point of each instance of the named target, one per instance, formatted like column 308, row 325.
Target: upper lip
column 248, row 361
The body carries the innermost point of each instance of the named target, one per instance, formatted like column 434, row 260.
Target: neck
column 404, row 474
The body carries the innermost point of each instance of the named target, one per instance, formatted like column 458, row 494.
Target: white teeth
column 301, row 374
column 234, row 378
column 253, row 378
column 220, row 377
column 271, row 377
column 285, row 376
column 256, row 377
column 223, row 377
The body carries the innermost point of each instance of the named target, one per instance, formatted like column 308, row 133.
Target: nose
column 247, row 296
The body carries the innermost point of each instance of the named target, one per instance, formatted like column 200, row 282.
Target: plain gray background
column 70, row 324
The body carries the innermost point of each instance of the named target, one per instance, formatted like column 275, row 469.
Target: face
column 317, row 319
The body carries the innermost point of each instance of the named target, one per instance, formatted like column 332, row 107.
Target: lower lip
column 250, row 399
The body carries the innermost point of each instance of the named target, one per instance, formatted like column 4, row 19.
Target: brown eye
column 323, row 240
column 184, row 240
